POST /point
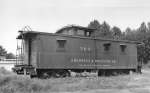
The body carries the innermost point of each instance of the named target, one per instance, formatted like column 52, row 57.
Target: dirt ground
column 138, row 83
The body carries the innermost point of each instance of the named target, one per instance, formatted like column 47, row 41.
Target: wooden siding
column 83, row 53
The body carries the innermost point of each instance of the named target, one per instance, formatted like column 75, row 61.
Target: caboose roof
column 32, row 33
column 75, row 27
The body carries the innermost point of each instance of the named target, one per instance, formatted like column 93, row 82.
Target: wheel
column 33, row 76
column 62, row 73
column 100, row 73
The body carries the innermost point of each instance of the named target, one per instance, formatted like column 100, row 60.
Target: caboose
column 74, row 48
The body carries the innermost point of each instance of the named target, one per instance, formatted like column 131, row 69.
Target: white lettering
column 92, row 60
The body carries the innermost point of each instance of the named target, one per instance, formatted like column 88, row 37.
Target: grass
column 12, row 83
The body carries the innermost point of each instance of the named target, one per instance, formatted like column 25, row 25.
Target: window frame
column 123, row 48
column 107, row 46
column 61, row 45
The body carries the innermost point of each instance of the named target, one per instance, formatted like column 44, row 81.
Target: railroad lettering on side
column 80, row 60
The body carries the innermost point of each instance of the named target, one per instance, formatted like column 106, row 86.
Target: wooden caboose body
column 77, row 51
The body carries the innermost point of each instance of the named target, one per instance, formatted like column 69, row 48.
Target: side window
column 123, row 47
column 107, row 46
column 80, row 32
column 87, row 33
column 70, row 32
column 61, row 43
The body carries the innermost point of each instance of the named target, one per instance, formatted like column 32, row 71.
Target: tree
column 141, row 32
column 10, row 56
column 3, row 52
column 148, row 26
column 105, row 30
column 143, row 51
column 102, row 30
column 116, row 32
column 128, row 31
column 94, row 25
column 143, row 28
column 130, row 34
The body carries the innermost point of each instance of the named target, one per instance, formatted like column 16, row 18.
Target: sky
column 51, row 15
